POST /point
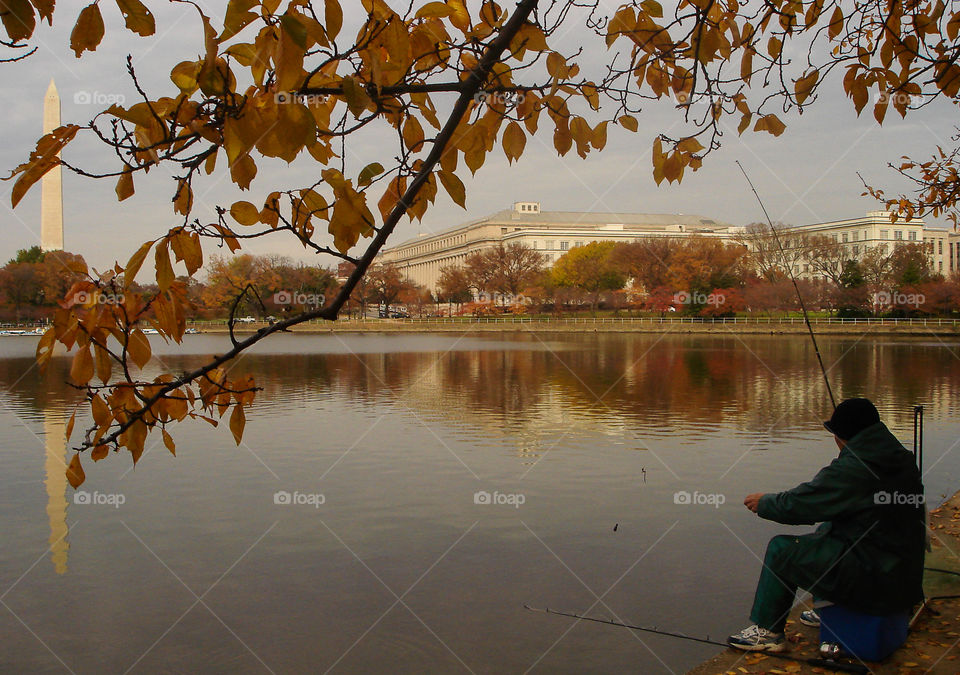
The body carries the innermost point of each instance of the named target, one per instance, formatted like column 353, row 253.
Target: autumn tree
column 910, row 264
column 453, row 286
column 288, row 80
column 590, row 268
column 514, row 266
column 828, row 257
column 21, row 284
column 480, row 275
column 385, row 284
column 647, row 262
column 701, row 264
column 774, row 252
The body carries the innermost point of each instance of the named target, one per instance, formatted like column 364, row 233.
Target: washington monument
column 51, row 189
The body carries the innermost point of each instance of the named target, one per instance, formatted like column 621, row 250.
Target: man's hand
column 752, row 502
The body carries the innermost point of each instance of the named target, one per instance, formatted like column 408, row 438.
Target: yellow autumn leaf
column 454, row 187
column 628, row 122
column 81, row 368
column 413, row 134
column 124, row 186
column 805, row 85
column 133, row 265
column 168, row 441
column 138, row 346
column 75, row 473
column 245, row 213
column 514, row 140
column 103, row 363
column 237, row 421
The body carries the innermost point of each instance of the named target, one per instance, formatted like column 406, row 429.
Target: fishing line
column 793, row 278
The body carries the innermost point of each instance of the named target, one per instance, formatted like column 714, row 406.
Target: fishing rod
column 822, row 663
column 793, row 278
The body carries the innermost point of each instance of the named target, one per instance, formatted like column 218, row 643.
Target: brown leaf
column 164, row 268
column 75, row 473
column 18, row 19
column 628, row 122
column 139, row 348
column 133, row 265
column 124, row 186
column 243, row 171
column 237, row 421
column 333, row 17
column 88, row 31
column 454, row 187
column 805, row 85
column 81, row 369
column 168, row 441
column 70, row 422
column 99, row 453
column 138, row 17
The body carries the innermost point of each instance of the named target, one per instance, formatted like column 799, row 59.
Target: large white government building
column 552, row 233
column 875, row 229
column 555, row 232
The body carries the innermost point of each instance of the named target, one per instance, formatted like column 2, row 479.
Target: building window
column 898, row 234
column 564, row 245
column 856, row 236
column 503, row 230
column 884, row 234
column 940, row 247
column 913, row 235
column 534, row 245
column 548, row 244
column 806, row 269
column 846, row 238
column 940, row 265
column 834, row 235
column 856, row 249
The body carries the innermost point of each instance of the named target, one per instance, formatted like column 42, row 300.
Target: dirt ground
column 933, row 645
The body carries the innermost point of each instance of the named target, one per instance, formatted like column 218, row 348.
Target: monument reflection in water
column 55, row 443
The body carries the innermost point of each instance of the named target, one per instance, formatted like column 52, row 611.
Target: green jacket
column 872, row 538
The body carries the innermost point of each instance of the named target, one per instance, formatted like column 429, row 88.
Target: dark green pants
column 809, row 562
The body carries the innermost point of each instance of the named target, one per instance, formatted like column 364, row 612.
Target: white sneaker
column 757, row 639
column 810, row 617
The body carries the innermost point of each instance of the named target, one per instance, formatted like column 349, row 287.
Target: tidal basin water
column 398, row 498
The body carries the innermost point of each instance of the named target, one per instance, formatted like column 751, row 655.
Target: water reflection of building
column 55, row 441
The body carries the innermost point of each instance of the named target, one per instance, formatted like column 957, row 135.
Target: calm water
column 399, row 570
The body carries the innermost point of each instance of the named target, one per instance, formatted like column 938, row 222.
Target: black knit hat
column 851, row 417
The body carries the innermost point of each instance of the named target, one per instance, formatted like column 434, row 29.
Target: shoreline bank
column 607, row 326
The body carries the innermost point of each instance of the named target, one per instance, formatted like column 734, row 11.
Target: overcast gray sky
column 807, row 175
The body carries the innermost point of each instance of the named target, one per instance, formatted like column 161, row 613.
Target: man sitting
column 868, row 552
